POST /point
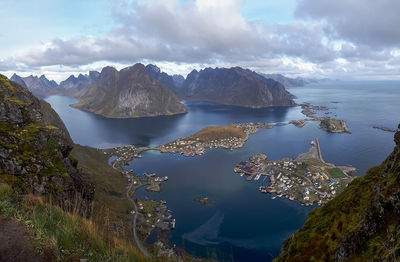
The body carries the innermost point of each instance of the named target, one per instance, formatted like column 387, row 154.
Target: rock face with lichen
column 360, row 224
column 35, row 151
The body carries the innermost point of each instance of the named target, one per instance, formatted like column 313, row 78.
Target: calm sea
column 242, row 224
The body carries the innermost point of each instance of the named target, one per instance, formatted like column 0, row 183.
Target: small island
column 298, row 123
column 307, row 178
column 387, row 129
column 333, row 125
column 328, row 124
column 309, row 110
column 205, row 201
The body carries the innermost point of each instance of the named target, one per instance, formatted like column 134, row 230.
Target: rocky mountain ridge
column 287, row 81
column 229, row 86
column 39, row 86
column 174, row 83
column 128, row 93
column 235, row 86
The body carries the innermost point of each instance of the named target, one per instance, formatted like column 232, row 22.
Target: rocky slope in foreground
column 360, row 224
column 129, row 93
column 35, row 151
column 235, row 86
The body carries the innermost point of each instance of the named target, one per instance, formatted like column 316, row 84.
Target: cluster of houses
column 160, row 217
column 291, row 179
column 315, row 186
column 124, row 154
column 197, row 147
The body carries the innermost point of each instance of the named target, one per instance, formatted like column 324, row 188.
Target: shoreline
column 306, row 178
column 151, row 214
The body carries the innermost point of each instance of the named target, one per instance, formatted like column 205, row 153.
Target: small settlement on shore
column 228, row 137
column 154, row 219
column 307, row 178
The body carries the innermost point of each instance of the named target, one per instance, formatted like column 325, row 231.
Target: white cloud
column 199, row 31
column 344, row 36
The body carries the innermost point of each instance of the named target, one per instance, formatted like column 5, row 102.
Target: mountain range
column 39, row 86
column 235, row 86
column 128, row 93
column 139, row 90
column 289, row 82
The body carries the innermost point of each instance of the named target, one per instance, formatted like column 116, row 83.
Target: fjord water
column 242, row 224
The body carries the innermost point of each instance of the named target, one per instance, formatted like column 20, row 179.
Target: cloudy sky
column 346, row 39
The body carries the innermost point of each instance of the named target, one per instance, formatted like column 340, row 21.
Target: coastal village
column 228, row 137
column 152, row 218
column 307, row 179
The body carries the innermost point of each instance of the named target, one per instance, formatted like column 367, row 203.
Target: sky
column 344, row 39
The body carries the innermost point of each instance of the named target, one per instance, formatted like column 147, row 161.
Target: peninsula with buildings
column 228, row 137
column 307, row 178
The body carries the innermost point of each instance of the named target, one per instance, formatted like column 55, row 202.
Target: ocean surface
column 242, row 224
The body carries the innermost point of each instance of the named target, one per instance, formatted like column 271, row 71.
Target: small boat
column 273, row 197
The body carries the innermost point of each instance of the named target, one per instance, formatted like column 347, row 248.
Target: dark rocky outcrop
column 129, row 93
column 35, row 151
column 360, row 224
column 235, row 86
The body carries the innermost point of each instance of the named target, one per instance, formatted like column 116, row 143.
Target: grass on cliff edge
column 62, row 236
column 110, row 196
column 210, row 133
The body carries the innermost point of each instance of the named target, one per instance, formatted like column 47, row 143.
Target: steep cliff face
column 35, row 150
column 235, row 86
column 360, row 224
column 129, row 93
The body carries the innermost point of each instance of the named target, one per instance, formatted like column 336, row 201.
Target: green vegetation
column 6, row 83
column 51, row 127
column 335, row 172
column 15, row 100
column 210, row 133
column 62, row 236
column 110, row 186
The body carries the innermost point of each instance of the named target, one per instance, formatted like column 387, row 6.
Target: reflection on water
column 207, row 233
